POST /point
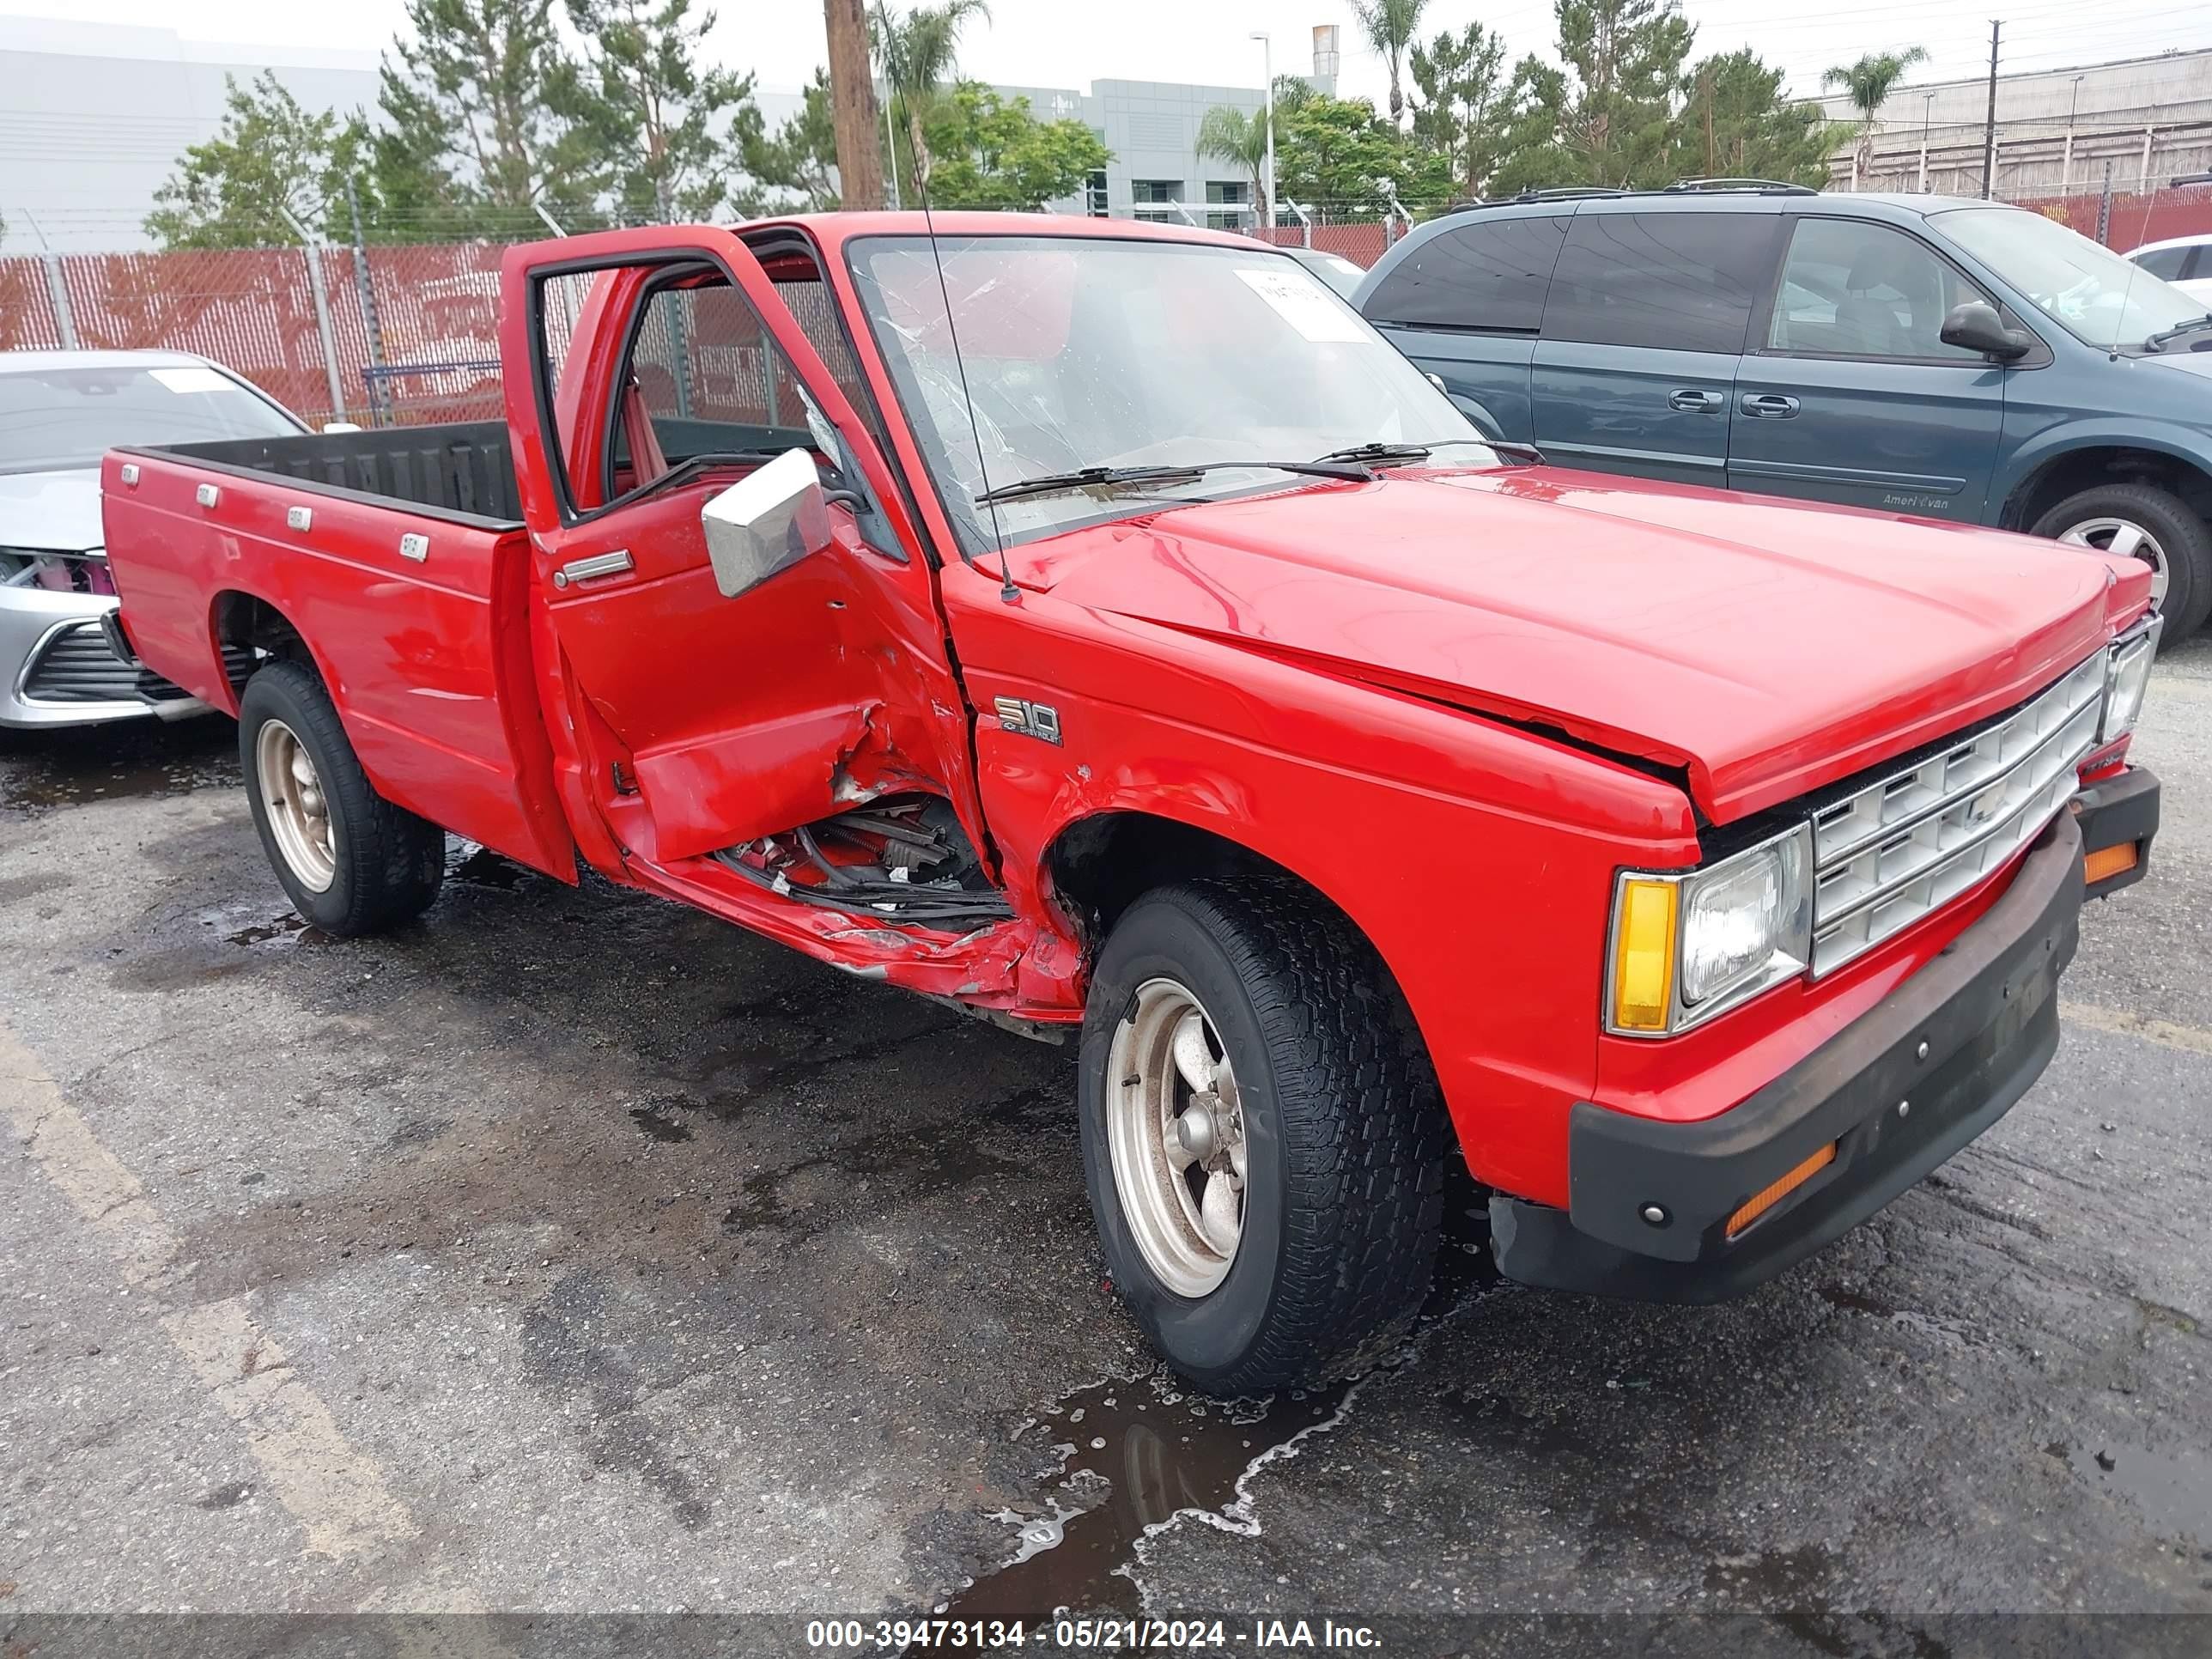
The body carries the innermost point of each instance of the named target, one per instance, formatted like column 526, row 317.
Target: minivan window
column 1854, row 289
column 1489, row 275
column 1686, row 282
column 2088, row 290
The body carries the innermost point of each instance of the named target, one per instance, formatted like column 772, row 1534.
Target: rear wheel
column 351, row 862
column 1262, row 1135
column 2142, row 522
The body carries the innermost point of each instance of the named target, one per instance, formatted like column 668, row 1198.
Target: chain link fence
column 413, row 337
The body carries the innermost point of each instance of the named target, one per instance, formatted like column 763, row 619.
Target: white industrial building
column 2149, row 119
column 94, row 117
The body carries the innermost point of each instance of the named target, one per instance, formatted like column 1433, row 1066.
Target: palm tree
column 916, row 52
column 1235, row 135
column 1389, row 27
column 1866, row 83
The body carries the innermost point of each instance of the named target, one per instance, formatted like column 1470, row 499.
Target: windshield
column 2088, row 290
column 52, row 419
column 1090, row 352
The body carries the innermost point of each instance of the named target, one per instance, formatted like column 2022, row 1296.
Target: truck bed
column 399, row 558
column 464, row 468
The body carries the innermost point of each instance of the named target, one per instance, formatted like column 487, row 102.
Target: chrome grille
column 1890, row 851
column 77, row 667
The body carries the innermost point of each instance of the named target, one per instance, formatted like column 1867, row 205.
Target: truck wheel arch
column 1098, row 865
column 243, row 618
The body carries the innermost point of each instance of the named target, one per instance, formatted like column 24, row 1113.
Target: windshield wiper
column 1138, row 478
column 2191, row 326
column 1393, row 454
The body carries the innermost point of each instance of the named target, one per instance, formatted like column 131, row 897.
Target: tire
column 1342, row 1134
column 2179, row 535
column 378, row 864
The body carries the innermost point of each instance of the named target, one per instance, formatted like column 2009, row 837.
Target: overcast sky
column 1071, row 42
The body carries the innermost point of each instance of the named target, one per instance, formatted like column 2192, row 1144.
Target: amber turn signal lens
column 1643, row 956
column 2108, row 861
column 1766, row 1198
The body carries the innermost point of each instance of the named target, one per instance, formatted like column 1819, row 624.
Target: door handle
column 599, row 564
column 1769, row 406
column 1693, row 402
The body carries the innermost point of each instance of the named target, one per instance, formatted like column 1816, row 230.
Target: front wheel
column 2142, row 522
column 351, row 862
column 1262, row 1135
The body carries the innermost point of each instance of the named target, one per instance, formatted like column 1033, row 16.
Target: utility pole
column 1990, row 125
column 852, row 102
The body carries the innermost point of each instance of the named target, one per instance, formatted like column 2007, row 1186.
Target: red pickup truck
column 1100, row 627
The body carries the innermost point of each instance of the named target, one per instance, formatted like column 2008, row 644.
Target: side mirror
column 340, row 425
column 766, row 521
column 1976, row 326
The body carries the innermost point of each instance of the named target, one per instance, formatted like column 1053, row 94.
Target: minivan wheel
column 351, row 861
column 1262, row 1135
column 2144, row 522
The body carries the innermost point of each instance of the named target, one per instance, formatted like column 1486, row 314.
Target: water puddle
column 2172, row 1489
column 481, row 867
column 41, row 771
column 1135, row 1456
column 287, row 929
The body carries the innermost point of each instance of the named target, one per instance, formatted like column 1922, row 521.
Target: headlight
column 1688, row 945
column 2127, row 676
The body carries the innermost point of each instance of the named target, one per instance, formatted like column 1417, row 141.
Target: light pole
column 1267, row 68
column 2066, row 165
column 1927, row 104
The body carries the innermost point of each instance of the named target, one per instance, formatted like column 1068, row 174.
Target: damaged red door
column 667, row 368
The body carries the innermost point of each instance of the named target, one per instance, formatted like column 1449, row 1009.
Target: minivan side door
column 1645, row 320
column 1849, row 394
column 1465, row 303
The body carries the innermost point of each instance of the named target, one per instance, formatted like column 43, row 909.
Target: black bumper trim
column 2119, row 809
column 1961, row 1041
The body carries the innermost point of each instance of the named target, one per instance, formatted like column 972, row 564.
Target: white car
column 60, row 411
column 2184, row 261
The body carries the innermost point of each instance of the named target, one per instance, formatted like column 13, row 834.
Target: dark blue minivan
column 1912, row 354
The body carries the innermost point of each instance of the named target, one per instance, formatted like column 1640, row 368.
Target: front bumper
column 57, row 667
column 1895, row 1093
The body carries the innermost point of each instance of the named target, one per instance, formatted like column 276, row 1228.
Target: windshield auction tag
column 190, row 378
column 1299, row 301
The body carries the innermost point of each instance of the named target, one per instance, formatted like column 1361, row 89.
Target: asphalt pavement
column 569, row 1252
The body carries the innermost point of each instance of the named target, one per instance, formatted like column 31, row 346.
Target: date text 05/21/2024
column 1107, row 1635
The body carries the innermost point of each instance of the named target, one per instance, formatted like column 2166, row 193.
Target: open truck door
column 703, row 698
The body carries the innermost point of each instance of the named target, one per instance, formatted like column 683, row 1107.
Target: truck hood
column 1761, row 648
column 51, row 512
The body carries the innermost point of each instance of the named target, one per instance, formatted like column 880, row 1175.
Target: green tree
column 917, row 51
column 1735, row 124
column 270, row 156
column 1627, row 58
column 1530, row 113
column 795, row 169
column 667, row 133
column 469, row 137
column 1866, row 83
column 1239, row 138
column 988, row 153
column 1457, row 83
column 1338, row 153
column 1390, row 27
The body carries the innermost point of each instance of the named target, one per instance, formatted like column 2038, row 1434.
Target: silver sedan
column 60, row 412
